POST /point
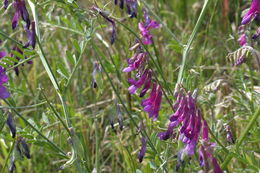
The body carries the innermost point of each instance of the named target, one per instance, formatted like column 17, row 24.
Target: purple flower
column 206, row 149
column 145, row 28
column 242, row 40
column 20, row 10
column 31, row 36
column 255, row 36
column 142, row 150
column 10, row 123
column 152, row 104
column 136, row 62
column 131, row 8
column 3, row 79
column 229, row 136
column 2, row 54
column 239, row 61
column 18, row 50
column 166, row 135
column 252, row 12
column 113, row 35
column 6, row 3
column 145, row 79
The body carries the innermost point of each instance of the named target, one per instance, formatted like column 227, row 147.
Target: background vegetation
column 72, row 38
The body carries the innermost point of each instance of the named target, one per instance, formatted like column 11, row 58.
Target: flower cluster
column 138, row 63
column 143, row 78
column 206, row 158
column 188, row 115
column 145, row 27
column 252, row 14
column 21, row 12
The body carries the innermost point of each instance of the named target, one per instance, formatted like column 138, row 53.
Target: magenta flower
column 3, row 79
column 252, row 12
column 152, row 104
column 206, row 149
column 145, row 80
column 2, row 54
column 242, row 40
column 136, row 62
column 20, row 10
column 145, row 28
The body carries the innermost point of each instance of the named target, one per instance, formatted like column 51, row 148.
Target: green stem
column 242, row 137
column 161, row 22
column 9, row 38
column 36, row 130
column 143, row 132
column 77, row 65
column 191, row 39
column 9, row 154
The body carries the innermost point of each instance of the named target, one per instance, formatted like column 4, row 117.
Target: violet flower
column 145, row 28
column 206, row 149
column 166, row 135
column 2, row 54
column 23, row 148
column 6, row 3
column 3, row 79
column 113, row 35
column 136, row 62
column 255, row 36
column 252, row 12
column 31, row 36
column 188, row 115
column 229, row 136
column 142, row 150
column 131, row 6
column 145, row 80
column 17, row 49
column 20, row 10
column 152, row 104
column 11, row 125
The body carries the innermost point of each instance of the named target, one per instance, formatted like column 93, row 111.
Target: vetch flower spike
column 20, row 10
column 31, row 36
column 145, row 28
column 152, row 104
column 252, row 12
column 206, row 149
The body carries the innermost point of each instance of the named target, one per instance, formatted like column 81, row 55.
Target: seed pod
column 10, row 123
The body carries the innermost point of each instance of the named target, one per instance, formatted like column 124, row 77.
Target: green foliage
column 67, row 123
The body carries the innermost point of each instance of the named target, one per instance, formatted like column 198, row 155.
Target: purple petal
column 3, row 92
column 2, row 54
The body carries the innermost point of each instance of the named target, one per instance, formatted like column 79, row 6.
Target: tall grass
column 71, row 126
